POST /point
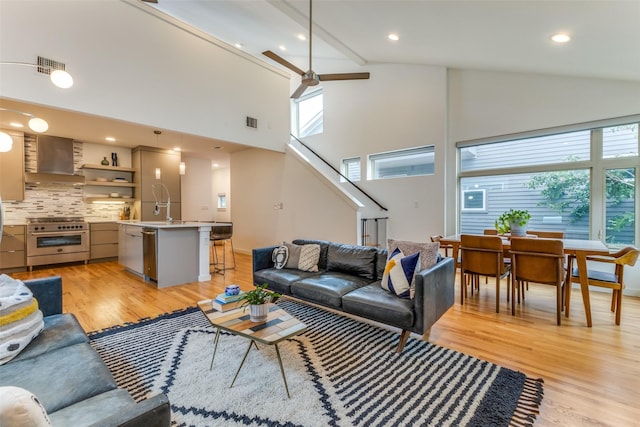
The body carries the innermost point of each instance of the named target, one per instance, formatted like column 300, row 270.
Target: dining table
column 577, row 249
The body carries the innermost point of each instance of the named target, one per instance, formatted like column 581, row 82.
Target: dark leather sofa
column 69, row 378
column 349, row 279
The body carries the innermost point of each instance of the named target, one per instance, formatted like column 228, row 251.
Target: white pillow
column 21, row 408
column 20, row 319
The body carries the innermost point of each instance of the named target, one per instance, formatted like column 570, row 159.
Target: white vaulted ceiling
column 348, row 35
column 504, row 35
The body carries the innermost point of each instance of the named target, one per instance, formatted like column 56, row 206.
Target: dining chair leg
column 498, row 293
column 513, row 295
column 567, row 299
column 618, row 306
column 558, row 303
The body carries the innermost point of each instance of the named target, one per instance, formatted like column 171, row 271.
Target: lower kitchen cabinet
column 12, row 248
column 130, row 248
column 104, row 240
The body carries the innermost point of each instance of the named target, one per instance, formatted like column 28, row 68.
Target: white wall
column 221, row 179
column 401, row 106
column 131, row 65
column 486, row 104
column 262, row 180
column 94, row 153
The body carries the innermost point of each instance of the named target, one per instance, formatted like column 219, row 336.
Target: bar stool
column 220, row 234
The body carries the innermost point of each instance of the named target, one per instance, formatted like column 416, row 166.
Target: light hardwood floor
column 591, row 375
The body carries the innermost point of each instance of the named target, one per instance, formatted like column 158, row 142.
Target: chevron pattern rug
column 341, row 372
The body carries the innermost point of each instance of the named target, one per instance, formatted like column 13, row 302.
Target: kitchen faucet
column 159, row 204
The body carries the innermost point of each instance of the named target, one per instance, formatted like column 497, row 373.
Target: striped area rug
column 341, row 372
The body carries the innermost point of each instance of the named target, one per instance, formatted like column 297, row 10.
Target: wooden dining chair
column 482, row 256
column 612, row 280
column 537, row 260
column 447, row 247
column 547, row 234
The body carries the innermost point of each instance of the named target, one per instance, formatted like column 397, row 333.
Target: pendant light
column 158, row 171
column 56, row 71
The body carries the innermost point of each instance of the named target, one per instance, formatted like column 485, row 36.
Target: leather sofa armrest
column 434, row 294
column 152, row 412
column 262, row 258
column 48, row 292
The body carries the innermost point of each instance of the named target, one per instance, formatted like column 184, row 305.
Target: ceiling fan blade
column 150, row 1
column 343, row 76
column 282, row 61
column 298, row 93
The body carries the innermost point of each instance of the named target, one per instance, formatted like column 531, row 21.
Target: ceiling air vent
column 252, row 122
column 48, row 65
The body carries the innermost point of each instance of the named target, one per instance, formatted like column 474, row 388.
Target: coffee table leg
column 215, row 347
column 282, row 370
column 243, row 359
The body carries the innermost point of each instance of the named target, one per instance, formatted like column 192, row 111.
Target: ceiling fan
column 310, row 78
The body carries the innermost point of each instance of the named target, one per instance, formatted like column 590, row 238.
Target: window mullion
column 598, row 196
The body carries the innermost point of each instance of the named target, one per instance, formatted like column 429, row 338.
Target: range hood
column 55, row 162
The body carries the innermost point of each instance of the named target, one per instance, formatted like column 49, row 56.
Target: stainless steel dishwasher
column 149, row 241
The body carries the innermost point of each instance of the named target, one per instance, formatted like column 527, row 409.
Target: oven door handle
column 57, row 233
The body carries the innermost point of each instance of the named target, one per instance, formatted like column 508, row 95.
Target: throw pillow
column 280, row 256
column 398, row 273
column 428, row 251
column 303, row 257
column 20, row 319
column 20, row 408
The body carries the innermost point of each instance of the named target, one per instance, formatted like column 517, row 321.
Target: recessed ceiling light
column 560, row 38
column 176, row 149
column 16, row 125
column 110, row 139
column 215, row 165
column 238, row 45
column 282, row 47
column 394, row 37
column 302, row 37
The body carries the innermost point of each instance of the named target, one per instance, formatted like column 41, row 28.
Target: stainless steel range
column 56, row 240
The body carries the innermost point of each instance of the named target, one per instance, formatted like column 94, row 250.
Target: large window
column 583, row 182
column 410, row 162
column 308, row 111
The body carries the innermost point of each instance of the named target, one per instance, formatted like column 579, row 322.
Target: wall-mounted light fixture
column 183, row 168
column 55, row 70
column 6, row 142
column 36, row 124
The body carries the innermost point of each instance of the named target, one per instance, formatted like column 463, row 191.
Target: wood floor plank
column 591, row 375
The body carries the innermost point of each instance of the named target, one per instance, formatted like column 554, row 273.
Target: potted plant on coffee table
column 258, row 301
column 513, row 221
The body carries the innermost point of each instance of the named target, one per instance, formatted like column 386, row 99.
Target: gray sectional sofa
column 349, row 279
column 69, row 378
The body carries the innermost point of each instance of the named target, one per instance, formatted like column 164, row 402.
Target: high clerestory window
column 582, row 180
column 402, row 163
column 351, row 169
column 308, row 114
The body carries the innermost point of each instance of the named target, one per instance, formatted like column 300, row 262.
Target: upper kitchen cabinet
column 12, row 169
column 156, row 166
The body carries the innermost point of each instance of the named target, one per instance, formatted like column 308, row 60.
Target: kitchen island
column 167, row 253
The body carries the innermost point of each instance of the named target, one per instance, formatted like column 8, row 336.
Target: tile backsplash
column 55, row 200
